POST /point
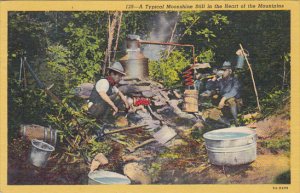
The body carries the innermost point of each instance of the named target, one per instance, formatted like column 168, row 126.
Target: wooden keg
column 33, row 131
column 190, row 101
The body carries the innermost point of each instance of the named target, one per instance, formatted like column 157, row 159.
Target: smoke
column 161, row 32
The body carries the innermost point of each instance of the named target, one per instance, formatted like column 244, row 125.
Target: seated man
column 105, row 91
column 229, row 90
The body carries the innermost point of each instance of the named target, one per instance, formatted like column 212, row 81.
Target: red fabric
column 111, row 80
column 142, row 101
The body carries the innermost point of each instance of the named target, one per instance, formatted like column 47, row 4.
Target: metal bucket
column 190, row 101
column 240, row 62
column 106, row 177
column 231, row 146
column 40, row 152
column 33, row 131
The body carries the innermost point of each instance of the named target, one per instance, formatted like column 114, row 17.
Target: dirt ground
column 185, row 162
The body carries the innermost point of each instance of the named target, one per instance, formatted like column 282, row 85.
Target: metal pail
column 40, row 152
column 240, row 62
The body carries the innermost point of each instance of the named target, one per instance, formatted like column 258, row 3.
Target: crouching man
column 105, row 93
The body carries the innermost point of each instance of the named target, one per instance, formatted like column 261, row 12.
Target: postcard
column 143, row 96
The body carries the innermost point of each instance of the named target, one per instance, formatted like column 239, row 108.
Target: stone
column 100, row 157
column 84, row 90
column 176, row 143
column 121, row 122
column 199, row 125
column 137, row 173
column 128, row 158
column 98, row 160
column 149, row 93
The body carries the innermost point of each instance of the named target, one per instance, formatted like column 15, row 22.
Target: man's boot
column 234, row 112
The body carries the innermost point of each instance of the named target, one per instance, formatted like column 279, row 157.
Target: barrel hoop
column 231, row 149
column 51, row 135
column 55, row 136
column 45, row 133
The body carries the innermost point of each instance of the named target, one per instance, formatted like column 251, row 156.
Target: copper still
column 135, row 63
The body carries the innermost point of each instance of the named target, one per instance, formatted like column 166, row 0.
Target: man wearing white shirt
column 105, row 91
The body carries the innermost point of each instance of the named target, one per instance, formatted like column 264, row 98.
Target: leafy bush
column 167, row 71
column 274, row 100
column 275, row 145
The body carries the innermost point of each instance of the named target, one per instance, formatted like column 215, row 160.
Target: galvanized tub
column 231, row 146
column 106, row 177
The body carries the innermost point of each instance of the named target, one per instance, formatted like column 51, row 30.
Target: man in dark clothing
column 229, row 90
column 105, row 92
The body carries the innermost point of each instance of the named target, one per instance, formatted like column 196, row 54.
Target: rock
column 129, row 89
column 252, row 115
column 199, row 125
column 176, row 94
column 100, row 157
column 121, row 122
column 98, row 160
column 127, row 158
column 159, row 100
column 176, row 143
column 137, row 173
column 146, row 118
column 84, row 90
column 174, row 104
column 149, row 93
column 94, row 165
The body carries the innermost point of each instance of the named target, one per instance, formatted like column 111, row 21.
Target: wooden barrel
column 33, row 131
column 190, row 101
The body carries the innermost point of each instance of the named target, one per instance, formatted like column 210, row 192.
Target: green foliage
column 170, row 155
column 168, row 71
column 284, row 178
column 22, row 105
column 206, row 56
column 274, row 100
column 155, row 170
column 68, row 62
column 276, row 145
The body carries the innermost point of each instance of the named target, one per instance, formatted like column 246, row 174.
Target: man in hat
column 105, row 91
column 229, row 89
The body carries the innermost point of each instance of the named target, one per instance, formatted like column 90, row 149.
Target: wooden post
column 253, row 81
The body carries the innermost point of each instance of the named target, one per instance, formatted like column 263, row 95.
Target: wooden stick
column 125, row 129
column 253, row 81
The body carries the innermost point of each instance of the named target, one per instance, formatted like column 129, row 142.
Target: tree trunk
column 172, row 36
column 118, row 34
column 111, row 31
